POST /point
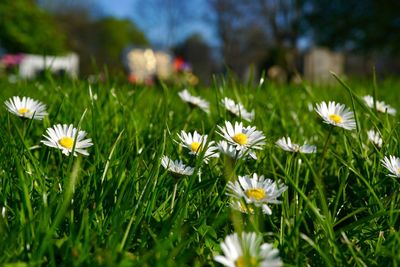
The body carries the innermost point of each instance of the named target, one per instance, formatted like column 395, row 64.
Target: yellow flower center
column 66, row 142
column 242, row 262
column 240, row 138
column 23, row 111
column 336, row 118
column 195, row 147
column 256, row 193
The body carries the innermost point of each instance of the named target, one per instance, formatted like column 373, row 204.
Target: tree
column 113, row 35
column 167, row 19
column 198, row 53
column 24, row 27
column 368, row 25
column 250, row 30
column 100, row 40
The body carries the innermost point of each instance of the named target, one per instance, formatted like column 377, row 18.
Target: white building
column 320, row 62
column 31, row 65
column 146, row 64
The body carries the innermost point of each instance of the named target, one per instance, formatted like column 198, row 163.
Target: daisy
column 257, row 191
column 194, row 100
column 393, row 165
column 287, row 145
column 248, row 249
column 63, row 137
column 26, row 107
column 242, row 138
column 336, row 114
column 176, row 167
column 375, row 138
column 380, row 105
column 231, row 151
column 237, row 109
column 197, row 144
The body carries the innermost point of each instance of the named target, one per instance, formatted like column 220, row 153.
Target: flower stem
column 173, row 197
column 325, row 147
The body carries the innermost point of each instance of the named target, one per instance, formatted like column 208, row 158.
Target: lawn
column 119, row 206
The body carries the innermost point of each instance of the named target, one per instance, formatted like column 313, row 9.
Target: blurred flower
column 238, row 205
column 248, row 250
column 375, row 138
column 246, row 208
column 336, row 114
column 197, row 143
column 243, row 138
column 392, row 164
column 287, row 145
column 181, row 66
column 231, row 151
column 26, row 107
column 63, row 137
column 10, row 60
column 194, row 100
column 176, row 167
column 257, row 191
column 380, row 105
column 310, row 106
column 237, row 109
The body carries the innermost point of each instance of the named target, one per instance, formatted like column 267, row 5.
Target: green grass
column 113, row 208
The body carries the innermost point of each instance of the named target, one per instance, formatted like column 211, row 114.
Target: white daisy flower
column 243, row 138
column 237, row 109
column 194, row 100
column 176, row 167
column 375, row 138
column 231, row 151
column 393, row 165
column 287, row 145
column 63, row 137
column 380, row 105
column 257, row 191
column 336, row 114
column 197, row 144
column 248, row 250
column 26, row 107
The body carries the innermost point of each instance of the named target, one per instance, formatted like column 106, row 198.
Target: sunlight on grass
column 164, row 177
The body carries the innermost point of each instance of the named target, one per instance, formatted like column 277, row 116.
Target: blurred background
column 189, row 41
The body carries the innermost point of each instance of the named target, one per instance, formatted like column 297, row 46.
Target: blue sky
column 152, row 21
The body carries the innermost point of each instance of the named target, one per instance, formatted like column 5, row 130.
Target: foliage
column 100, row 41
column 198, row 53
column 25, row 28
column 113, row 208
column 113, row 35
column 368, row 25
column 251, row 32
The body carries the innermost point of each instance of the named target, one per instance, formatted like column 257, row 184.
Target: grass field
column 120, row 207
